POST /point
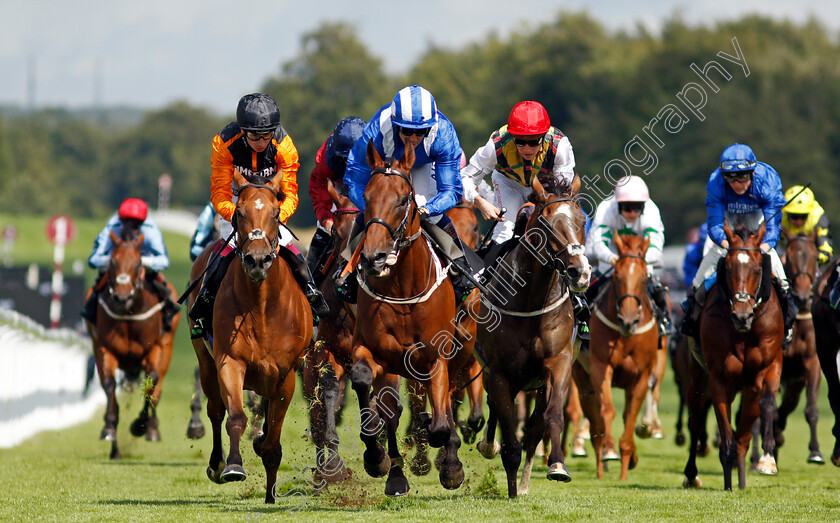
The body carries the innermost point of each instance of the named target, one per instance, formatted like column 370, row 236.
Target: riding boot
column 460, row 282
column 691, row 307
column 297, row 263
column 321, row 242
column 202, row 310
column 347, row 288
column 788, row 313
column 834, row 295
column 582, row 314
column 170, row 307
column 91, row 304
column 659, row 294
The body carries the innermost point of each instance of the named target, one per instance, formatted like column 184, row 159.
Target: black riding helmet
column 257, row 112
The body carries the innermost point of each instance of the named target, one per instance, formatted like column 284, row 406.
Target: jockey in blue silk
column 412, row 118
column 694, row 255
column 132, row 216
column 740, row 186
column 206, row 231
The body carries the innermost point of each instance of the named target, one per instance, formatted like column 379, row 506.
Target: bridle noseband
column 746, row 297
column 398, row 234
column 619, row 299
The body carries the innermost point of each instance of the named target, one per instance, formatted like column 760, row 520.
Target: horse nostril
column 266, row 261
column 574, row 273
column 249, row 260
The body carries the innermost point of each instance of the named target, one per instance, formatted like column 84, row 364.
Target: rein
column 130, row 317
column 618, row 299
column 398, row 234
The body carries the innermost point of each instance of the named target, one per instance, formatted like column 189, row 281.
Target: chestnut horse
column 329, row 359
column 741, row 334
column 528, row 344
column 406, row 325
column 129, row 335
column 262, row 323
column 827, row 331
column 800, row 364
column 622, row 353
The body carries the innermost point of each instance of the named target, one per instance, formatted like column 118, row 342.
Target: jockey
column 694, row 254
column 803, row 215
column 412, row 119
column 740, row 185
column 258, row 147
column 206, row 230
column 132, row 216
column 330, row 165
column 631, row 211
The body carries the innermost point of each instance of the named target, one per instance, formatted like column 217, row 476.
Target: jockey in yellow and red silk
column 257, row 146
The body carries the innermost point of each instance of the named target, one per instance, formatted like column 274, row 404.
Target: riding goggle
column 521, row 142
column 266, row 135
column 739, row 177
column 737, row 165
column 631, row 206
column 797, row 217
column 413, row 132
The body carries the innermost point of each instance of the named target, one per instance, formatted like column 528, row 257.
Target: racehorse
column 129, row 335
column 261, row 325
column 651, row 426
column 622, row 352
column 827, row 331
column 330, row 357
column 741, row 334
column 800, row 364
column 406, row 325
column 528, row 344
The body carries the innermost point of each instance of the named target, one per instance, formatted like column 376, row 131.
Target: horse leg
column 417, row 434
column 442, row 421
column 271, row 451
column 390, row 407
column 376, row 460
column 828, row 347
column 728, row 450
column 755, row 455
column 813, row 377
column 215, row 409
column 696, row 403
column 574, row 415
column 659, row 372
column 558, row 380
column 633, row 398
column 590, row 402
column 231, row 380
column 534, row 430
column 334, row 465
column 195, row 430
column 489, row 447
column 769, row 387
column 602, row 378
column 475, row 392
column 143, row 424
column 106, row 365
column 501, row 404
column 790, row 400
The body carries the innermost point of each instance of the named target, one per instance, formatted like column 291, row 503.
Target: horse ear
column 727, row 230
column 619, row 243
column 645, row 244
column 539, row 191
column 373, row 158
column 239, row 179
column 333, row 193
column 759, row 235
column 575, row 187
column 114, row 239
column 407, row 160
column 787, row 234
column 138, row 240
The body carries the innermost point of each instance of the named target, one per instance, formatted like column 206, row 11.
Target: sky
column 151, row 53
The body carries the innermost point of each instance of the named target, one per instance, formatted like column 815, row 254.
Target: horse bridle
column 619, row 299
column 811, row 278
column 398, row 234
column 259, row 234
column 574, row 249
column 746, row 297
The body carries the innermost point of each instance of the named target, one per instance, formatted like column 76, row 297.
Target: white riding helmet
column 631, row 189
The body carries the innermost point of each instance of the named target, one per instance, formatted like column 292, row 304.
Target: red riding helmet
column 528, row 118
column 133, row 209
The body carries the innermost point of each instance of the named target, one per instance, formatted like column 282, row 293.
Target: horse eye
column 404, row 201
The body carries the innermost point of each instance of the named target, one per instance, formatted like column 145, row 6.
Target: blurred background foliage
column 600, row 87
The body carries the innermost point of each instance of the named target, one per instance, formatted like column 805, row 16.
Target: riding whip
column 790, row 201
column 492, row 227
column 213, row 256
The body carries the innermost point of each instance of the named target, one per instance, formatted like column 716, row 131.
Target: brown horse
column 800, row 364
column 827, row 331
column 262, row 324
column 329, row 359
column 622, row 353
column 129, row 335
column 405, row 326
column 529, row 342
column 741, row 334
column 687, row 370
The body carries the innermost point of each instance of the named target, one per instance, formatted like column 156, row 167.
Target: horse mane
column 257, row 179
column 130, row 229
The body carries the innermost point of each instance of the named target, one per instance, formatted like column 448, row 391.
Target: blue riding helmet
column 414, row 108
column 346, row 132
column 737, row 158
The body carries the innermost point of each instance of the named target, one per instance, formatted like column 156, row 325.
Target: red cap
column 528, row 118
column 133, row 209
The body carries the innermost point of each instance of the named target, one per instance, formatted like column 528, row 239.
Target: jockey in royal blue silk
column 413, row 118
column 132, row 216
column 740, row 186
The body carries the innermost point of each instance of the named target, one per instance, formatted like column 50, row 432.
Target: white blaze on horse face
column 743, row 258
column 123, row 279
column 259, row 204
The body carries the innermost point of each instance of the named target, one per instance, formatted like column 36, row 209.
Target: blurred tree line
column 626, row 101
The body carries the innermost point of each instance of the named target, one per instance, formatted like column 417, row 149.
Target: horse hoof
column 467, row 434
column 490, row 450
column 610, row 454
column 397, row 484
column 152, row 435
column 214, row 474
column 657, row 434
column 341, row 474
column 634, row 460
column 559, row 472
column 420, row 465
column 767, row 465
column 258, row 441
column 579, row 449
column 138, row 427
column 835, row 458
column 377, row 464
column 679, row 439
column 195, row 430
column 452, row 479
column 816, row 458
column 643, row 431
column 692, row 483
column 233, row 473
column 108, row 434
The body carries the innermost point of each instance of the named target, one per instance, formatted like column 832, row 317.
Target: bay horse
column 827, row 336
column 329, row 359
column 624, row 341
column 800, row 363
column 262, row 323
column 529, row 343
column 741, row 334
column 405, row 326
column 129, row 335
